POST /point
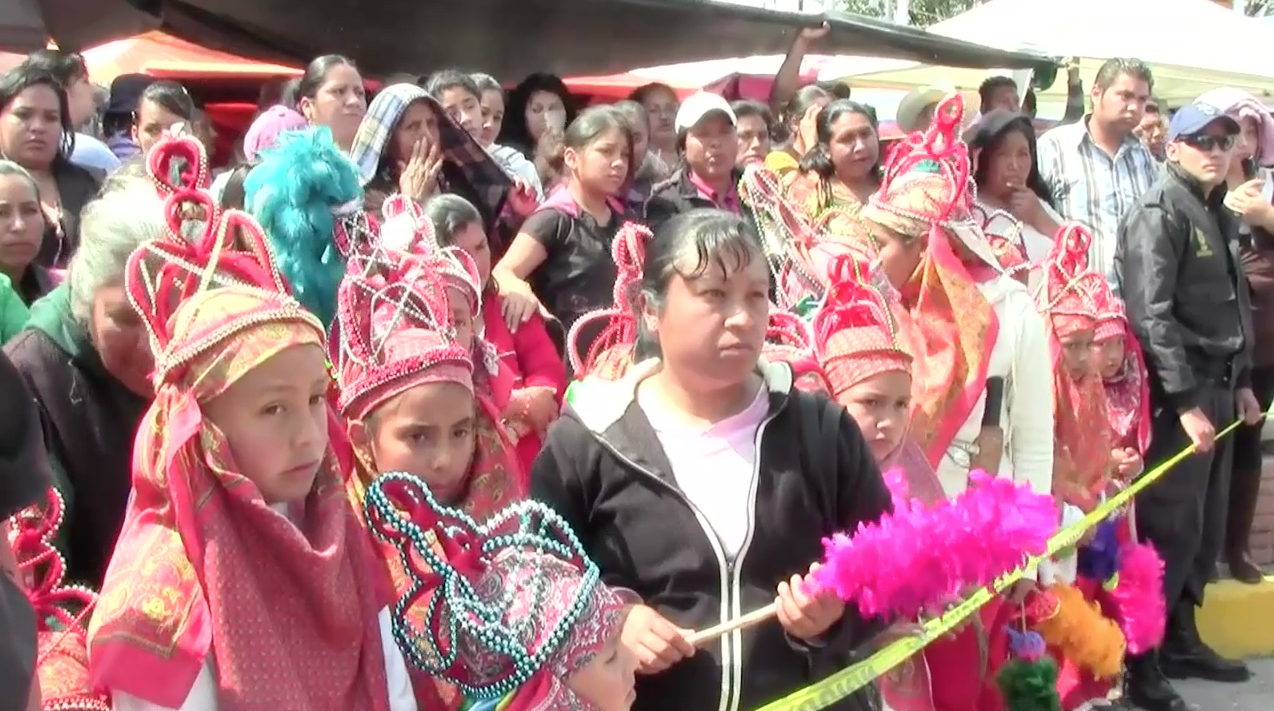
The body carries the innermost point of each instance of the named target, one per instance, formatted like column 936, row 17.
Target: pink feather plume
column 1137, row 597
column 923, row 557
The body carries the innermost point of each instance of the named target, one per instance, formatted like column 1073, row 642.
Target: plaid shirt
column 1092, row 188
column 464, row 160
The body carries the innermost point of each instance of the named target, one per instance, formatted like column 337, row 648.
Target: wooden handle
column 710, row 634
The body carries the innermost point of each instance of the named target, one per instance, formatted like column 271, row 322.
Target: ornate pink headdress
column 392, row 331
column 61, row 610
column 1128, row 393
column 855, row 333
column 1112, row 318
column 1066, row 294
column 610, row 351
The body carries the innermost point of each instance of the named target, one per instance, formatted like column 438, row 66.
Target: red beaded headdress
column 927, row 177
column 1066, row 294
column 613, row 331
column 798, row 249
column 392, row 330
column 855, row 333
column 230, row 251
column 60, row 610
column 512, row 606
column 1112, row 318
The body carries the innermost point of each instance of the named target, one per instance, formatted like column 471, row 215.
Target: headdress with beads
column 855, row 333
column 514, row 605
column 231, row 250
column 1066, row 293
column 392, row 331
column 61, row 610
column 1004, row 234
column 788, row 340
column 797, row 247
column 1128, row 392
column 601, row 342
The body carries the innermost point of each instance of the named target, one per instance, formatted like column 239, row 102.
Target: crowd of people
column 466, row 398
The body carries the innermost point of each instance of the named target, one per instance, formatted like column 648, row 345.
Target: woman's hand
column 656, row 642
column 418, row 175
column 807, row 131
column 518, row 301
column 803, row 616
column 1025, row 205
column 1018, row 592
column 1127, row 463
column 522, row 198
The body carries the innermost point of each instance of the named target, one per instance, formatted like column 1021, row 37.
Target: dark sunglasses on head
column 1207, row 143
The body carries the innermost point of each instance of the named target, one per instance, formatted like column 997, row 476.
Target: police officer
column 1178, row 269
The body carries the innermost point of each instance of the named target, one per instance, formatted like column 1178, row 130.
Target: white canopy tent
column 1190, row 45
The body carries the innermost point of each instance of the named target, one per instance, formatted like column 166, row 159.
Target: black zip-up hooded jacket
column 602, row 468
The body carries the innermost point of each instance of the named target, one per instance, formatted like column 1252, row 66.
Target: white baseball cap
column 697, row 106
column 914, row 104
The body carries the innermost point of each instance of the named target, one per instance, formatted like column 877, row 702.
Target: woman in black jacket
column 705, row 482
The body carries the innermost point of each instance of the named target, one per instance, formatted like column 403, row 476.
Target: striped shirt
column 1092, row 188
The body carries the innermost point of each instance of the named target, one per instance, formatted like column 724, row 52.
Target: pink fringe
column 1137, row 597
column 922, row 557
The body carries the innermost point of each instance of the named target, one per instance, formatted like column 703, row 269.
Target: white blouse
column 1020, row 355
column 203, row 695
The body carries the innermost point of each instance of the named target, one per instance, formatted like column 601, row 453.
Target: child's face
column 607, row 681
column 275, row 420
column 881, row 405
column 1110, row 356
column 461, row 317
column 602, row 165
column 472, row 238
column 1079, row 353
column 428, row 432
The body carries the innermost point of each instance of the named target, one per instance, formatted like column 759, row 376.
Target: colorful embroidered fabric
column 611, row 351
column 201, row 556
column 1004, row 235
column 511, row 605
column 1128, row 393
column 61, row 610
column 1082, row 434
column 926, row 193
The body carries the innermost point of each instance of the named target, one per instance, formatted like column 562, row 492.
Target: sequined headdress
column 1128, row 392
column 1065, row 295
column 61, row 610
column 513, row 604
column 600, row 343
column 855, row 333
column 392, row 330
column 216, row 309
column 797, row 247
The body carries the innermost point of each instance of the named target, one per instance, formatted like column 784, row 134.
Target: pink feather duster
column 924, row 557
column 1136, row 597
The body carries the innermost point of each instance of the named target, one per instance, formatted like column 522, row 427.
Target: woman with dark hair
column 491, row 103
column 162, row 105
column 36, row 133
column 797, row 127
column 1013, row 201
column 841, row 169
column 331, row 94
column 541, row 102
column 661, row 105
column 408, row 144
column 693, row 480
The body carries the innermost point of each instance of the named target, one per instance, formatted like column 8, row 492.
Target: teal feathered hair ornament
column 299, row 193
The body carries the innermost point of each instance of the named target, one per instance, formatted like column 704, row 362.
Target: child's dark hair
column 449, row 214
column 233, row 196
column 443, row 80
column 171, row 97
column 595, row 122
column 688, row 246
column 818, row 159
column 986, row 92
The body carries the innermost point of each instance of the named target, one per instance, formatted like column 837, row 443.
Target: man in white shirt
column 1096, row 169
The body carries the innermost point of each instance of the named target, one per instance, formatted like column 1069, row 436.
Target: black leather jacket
column 1177, row 262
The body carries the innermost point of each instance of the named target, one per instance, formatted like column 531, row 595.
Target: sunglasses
column 1208, row 143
